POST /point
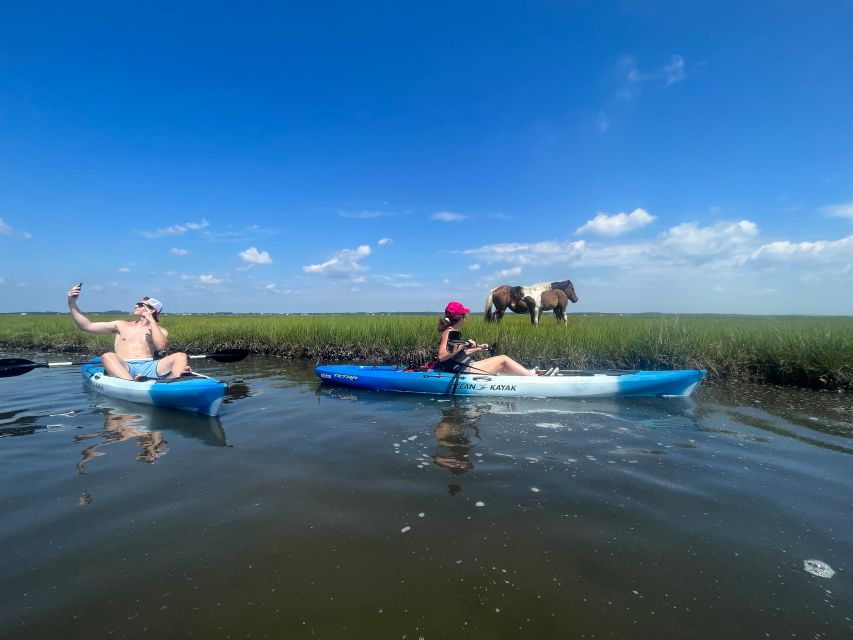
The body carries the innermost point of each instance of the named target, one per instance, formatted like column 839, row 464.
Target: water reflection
column 119, row 427
column 12, row 424
column 147, row 425
column 459, row 420
column 668, row 413
column 454, row 433
column 237, row 390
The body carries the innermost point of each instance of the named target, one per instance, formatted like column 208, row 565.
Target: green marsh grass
column 795, row 350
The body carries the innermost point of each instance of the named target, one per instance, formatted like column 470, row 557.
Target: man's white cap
column 154, row 302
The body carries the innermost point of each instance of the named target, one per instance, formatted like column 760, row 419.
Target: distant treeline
column 809, row 351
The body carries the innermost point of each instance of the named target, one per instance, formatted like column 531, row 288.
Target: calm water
column 309, row 511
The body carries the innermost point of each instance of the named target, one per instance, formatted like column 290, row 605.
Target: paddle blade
column 229, row 355
column 17, row 366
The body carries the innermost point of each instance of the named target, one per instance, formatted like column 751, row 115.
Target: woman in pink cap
column 457, row 358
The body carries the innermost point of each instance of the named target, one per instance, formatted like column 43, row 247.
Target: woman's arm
column 445, row 352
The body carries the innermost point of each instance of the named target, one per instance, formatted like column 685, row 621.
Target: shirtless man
column 136, row 342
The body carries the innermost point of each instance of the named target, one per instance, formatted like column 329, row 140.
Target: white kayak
column 566, row 384
column 193, row 392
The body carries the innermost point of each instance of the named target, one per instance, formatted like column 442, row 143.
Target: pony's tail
column 489, row 316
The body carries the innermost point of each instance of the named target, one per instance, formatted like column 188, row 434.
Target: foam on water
column 818, row 568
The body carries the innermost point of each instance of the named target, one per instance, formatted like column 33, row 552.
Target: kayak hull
column 679, row 383
column 200, row 394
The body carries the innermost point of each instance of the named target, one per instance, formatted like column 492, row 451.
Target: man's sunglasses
column 145, row 304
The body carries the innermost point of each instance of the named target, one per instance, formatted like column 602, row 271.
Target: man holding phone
column 136, row 343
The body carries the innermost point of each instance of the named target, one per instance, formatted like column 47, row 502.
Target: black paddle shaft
column 18, row 366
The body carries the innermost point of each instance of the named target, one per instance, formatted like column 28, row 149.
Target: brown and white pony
column 528, row 299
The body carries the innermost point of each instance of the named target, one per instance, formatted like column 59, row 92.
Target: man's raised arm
column 82, row 321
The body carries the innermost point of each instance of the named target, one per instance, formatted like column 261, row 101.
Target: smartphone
column 80, row 285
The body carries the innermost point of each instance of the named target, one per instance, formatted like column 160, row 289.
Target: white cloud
column 176, row 229
column 684, row 243
column 448, row 216
column 673, row 71
column 124, row 270
column 383, row 241
column 529, row 253
column 395, row 281
column 178, row 252
column 508, row 273
column 602, row 122
column 7, row 230
column 344, row 263
column 361, row 214
column 689, row 240
column 253, row 256
column 618, row 223
column 203, row 279
column 628, row 68
column 823, row 251
column 838, row 210
column 258, row 229
column 488, row 281
column 474, row 267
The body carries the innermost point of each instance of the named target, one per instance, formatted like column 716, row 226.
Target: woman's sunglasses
column 145, row 304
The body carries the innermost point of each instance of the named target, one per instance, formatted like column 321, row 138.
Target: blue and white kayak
column 569, row 384
column 196, row 393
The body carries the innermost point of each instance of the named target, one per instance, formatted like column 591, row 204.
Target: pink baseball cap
column 455, row 309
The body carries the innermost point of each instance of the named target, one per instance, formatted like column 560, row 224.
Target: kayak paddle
column 18, row 366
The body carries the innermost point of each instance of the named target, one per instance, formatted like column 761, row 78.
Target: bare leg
column 502, row 364
column 174, row 364
column 115, row 366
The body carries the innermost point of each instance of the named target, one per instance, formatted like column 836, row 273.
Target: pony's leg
column 532, row 308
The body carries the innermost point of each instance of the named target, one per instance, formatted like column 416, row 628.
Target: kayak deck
column 195, row 393
column 570, row 384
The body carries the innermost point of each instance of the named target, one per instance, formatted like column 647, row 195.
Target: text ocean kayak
column 199, row 394
column 573, row 384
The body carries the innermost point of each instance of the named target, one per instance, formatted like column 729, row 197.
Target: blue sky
column 280, row 157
